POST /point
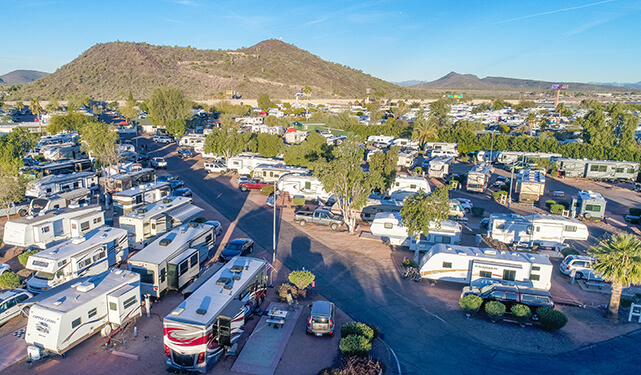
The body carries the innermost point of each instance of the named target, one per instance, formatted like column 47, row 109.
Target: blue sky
column 564, row 41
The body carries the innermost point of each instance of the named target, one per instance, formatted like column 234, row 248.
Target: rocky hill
column 20, row 77
column 111, row 70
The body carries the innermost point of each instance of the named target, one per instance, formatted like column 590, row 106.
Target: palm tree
column 36, row 109
column 425, row 129
column 531, row 119
column 619, row 262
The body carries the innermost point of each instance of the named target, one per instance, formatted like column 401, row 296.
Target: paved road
column 423, row 342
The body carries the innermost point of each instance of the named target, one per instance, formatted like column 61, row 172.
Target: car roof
column 239, row 240
column 321, row 307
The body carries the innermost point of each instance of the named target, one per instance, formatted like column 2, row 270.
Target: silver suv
column 583, row 265
column 321, row 319
column 9, row 301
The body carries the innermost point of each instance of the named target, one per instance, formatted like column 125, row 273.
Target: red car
column 253, row 183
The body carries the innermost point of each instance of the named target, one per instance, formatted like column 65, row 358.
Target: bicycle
column 412, row 274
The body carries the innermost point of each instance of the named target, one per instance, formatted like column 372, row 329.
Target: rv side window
column 183, row 267
column 76, row 323
column 163, row 273
column 113, row 306
column 485, row 274
column 97, row 220
column 536, row 268
column 193, row 260
column 129, row 302
column 44, row 229
column 500, row 227
column 510, row 296
column 620, row 170
column 308, row 185
column 447, row 264
column 534, row 277
column 208, row 238
column 84, row 263
column 74, row 226
column 413, row 186
column 84, row 225
column 93, row 312
column 603, row 168
column 388, row 225
column 631, row 170
column 99, row 256
column 570, row 228
column 62, row 263
column 509, row 275
column 593, row 208
column 594, row 168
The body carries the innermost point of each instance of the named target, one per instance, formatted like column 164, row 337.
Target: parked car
column 166, row 178
column 158, row 162
column 318, row 217
column 485, row 223
column 242, row 178
column 500, row 181
column 511, row 295
column 321, row 319
column 9, row 301
column 253, row 184
column 218, row 227
column 466, row 204
column 185, row 153
column 175, row 184
column 216, row 167
column 239, row 246
column 182, row 192
column 162, row 139
column 581, row 264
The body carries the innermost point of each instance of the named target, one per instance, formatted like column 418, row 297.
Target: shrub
column 286, row 288
column 557, row 209
column 634, row 211
column 301, row 279
column 494, row 310
column 328, row 371
column 298, row 201
column 10, row 280
column 25, row 256
column 551, row 319
column 409, row 263
column 418, row 170
column 355, row 346
column 569, row 251
column 626, row 301
column 554, row 173
column 359, row 329
column 361, row 366
column 470, row 304
column 521, row 313
column 200, row 220
column 464, row 159
column 376, row 330
column 478, row 211
column 565, row 204
column 267, row 190
column 499, row 194
column 549, row 203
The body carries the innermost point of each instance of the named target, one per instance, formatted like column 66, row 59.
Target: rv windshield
column 44, row 275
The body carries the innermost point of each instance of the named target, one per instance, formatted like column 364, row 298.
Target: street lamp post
column 492, row 149
column 509, row 198
column 271, row 274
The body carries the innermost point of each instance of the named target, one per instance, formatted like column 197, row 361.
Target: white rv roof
column 62, row 177
column 400, row 178
column 396, row 218
column 211, row 298
column 156, row 208
column 141, row 189
column 550, row 217
column 67, row 211
column 73, row 246
column 481, row 168
column 154, row 253
column 587, row 194
column 66, row 297
column 489, row 254
column 529, row 175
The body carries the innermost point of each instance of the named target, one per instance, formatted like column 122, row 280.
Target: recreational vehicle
column 47, row 228
column 173, row 259
column 464, row 264
column 244, row 164
column 145, row 223
column 81, row 256
column 198, row 331
column 126, row 180
column 478, row 178
column 511, row 157
column 61, row 167
column 372, row 207
column 389, row 226
column 128, row 200
column 405, row 142
column 387, row 139
column 56, row 139
column 487, row 156
column 77, row 196
column 54, row 184
column 588, row 205
column 439, row 167
column 192, row 140
column 308, row 187
column 406, row 185
column 451, row 148
column 513, row 228
column 64, row 151
column 406, row 159
column 597, row 169
column 63, row 317
column 530, row 185
column 271, row 173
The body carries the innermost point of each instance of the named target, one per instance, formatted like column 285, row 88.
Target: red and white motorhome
column 198, row 331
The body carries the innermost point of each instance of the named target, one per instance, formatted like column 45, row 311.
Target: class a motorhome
column 127, row 179
column 65, row 316
column 146, row 223
column 55, row 168
column 439, row 167
column 173, row 259
column 306, row 186
column 530, row 185
column 519, row 229
column 47, row 228
column 128, row 200
column 54, row 184
column 407, row 185
column 199, row 330
column 91, row 254
column 597, row 169
column 245, row 164
column 271, row 173
column 79, row 196
column 464, row 264
column 478, row 178
column 389, row 226
column 588, row 205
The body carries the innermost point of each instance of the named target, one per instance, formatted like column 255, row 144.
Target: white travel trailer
column 50, row 227
column 63, row 317
column 271, row 173
column 439, row 167
column 81, row 256
column 519, row 229
column 405, row 142
column 406, row 159
column 199, row 330
column 145, row 223
column 479, row 177
column 245, row 164
column 54, row 184
column 389, row 227
column 78, row 196
column 308, row 187
column 173, row 259
column 380, row 139
column 406, row 185
column 56, row 139
column 192, row 140
column 510, row 157
column 464, row 264
column 128, row 200
column 64, row 151
column 450, row 148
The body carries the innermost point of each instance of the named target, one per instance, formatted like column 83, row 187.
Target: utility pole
column 271, row 274
column 492, row 149
column 509, row 198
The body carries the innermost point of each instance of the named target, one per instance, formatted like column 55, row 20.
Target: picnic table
column 276, row 317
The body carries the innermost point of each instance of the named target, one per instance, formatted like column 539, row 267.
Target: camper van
column 145, row 223
column 128, row 200
column 173, row 259
column 271, row 173
column 597, row 169
column 406, row 185
column 513, row 228
column 530, row 185
column 464, row 264
column 588, row 205
column 199, row 330
column 245, row 164
column 48, row 228
column 63, row 317
column 54, row 184
column 81, row 256
column 305, row 186
column 389, row 226
column 78, row 196
column 478, row 178
column 439, row 167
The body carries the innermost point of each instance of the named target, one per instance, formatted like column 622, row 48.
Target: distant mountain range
column 629, row 85
column 20, row 77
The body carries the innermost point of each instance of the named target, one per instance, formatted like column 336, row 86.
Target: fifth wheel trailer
column 519, row 229
column 597, row 169
column 530, row 185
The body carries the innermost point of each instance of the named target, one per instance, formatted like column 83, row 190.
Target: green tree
column 52, row 105
column 76, row 101
column 307, row 91
column 385, row 164
column 167, row 104
column 99, row 141
column 425, row 130
column 69, row 122
column 129, row 110
column 19, row 106
column 13, row 189
column 618, row 261
column 440, row 110
column 264, row 102
column 36, row 109
column 270, row 145
column 227, row 141
column 315, row 147
column 421, row 210
column 177, row 126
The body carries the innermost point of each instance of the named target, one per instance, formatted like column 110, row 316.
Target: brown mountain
column 20, row 77
column 111, row 70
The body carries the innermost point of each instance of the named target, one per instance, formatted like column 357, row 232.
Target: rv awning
column 185, row 213
column 499, row 264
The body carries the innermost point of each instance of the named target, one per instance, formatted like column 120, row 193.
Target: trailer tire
column 303, row 223
column 587, row 216
column 23, row 212
column 106, row 330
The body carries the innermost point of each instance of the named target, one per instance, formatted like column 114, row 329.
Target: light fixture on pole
column 271, row 274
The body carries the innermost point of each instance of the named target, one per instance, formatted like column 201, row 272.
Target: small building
column 293, row 136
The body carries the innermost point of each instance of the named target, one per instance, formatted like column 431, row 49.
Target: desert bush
column 551, row 319
column 478, row 211
column 494, row 310
column 521, row 313
column 286, row 288
column 375, row 330
column 267, row 190
column 497, row 195
column 361, row 366
column 409, row 263
column 302, row 279
column 418, row 170
column 329, row 371
column 464, row 159
column 298, row 201
column 9, row 280
column 635, row 211
column 355, row 346
column 569, row 251
column 557, row 209
column 470, row 304
column 356, row 328
column 549, row 203
column 24, row 257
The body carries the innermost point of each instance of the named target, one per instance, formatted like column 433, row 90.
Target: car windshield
column 234, row 246
column 44, row 275
column 486, row 288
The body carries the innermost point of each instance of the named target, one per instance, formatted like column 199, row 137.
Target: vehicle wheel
column 334, row 226
column 251, row 249
column 331, row 334
column 25, row 311
column 535, row 317
column 23, row 212
column 467, row 210
column 578, row 276
column 303, row 223
column 243, row 188
column 587, row 216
